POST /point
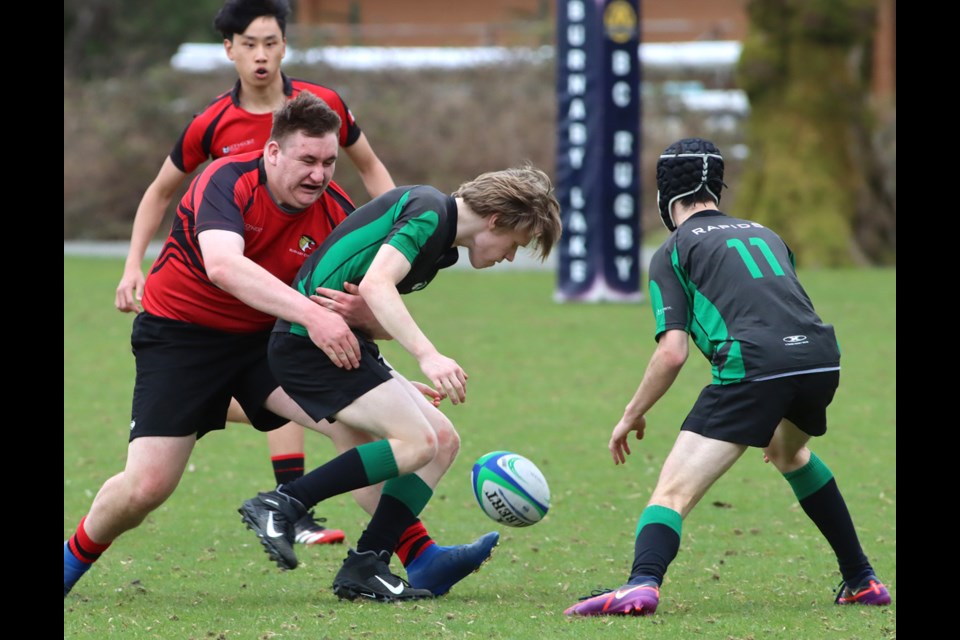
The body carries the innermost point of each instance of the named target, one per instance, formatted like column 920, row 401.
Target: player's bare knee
column 428, row 448
column 147, row 495
column 414, row 454
column 787, row 460
column 448, row 440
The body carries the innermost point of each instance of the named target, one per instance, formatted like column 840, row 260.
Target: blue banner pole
column 598, row 150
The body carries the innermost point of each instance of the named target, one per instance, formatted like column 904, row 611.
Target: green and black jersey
column 732, row 285
column 419, row 221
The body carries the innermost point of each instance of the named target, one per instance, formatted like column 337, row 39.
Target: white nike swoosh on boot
column 272, row 530
column 395, row 590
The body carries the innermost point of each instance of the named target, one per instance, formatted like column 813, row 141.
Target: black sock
column 828, row 510
column 816, row 489
column 388, row 523
column 655, row 548
column 288, row 468
column 657, row 542
column 402, row 500
column 342, row 474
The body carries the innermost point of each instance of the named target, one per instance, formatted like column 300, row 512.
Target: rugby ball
column 510, row 489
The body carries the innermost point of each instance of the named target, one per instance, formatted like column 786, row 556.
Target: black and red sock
column 414, row 541
column 83, row 548
column 289, row 467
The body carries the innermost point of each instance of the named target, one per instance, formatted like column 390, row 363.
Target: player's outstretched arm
column 379, row 290
column 153, row 205
column 664, row 366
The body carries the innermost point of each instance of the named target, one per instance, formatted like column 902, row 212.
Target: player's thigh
column 156, row 464
column 388, row 411
column 438, row 420
column 235, row 413
column 691, row 468
column 281, row 404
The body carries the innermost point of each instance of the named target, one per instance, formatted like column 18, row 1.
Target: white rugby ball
column 510, row 489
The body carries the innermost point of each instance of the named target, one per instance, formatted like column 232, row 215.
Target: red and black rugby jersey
column 224, row 129
column 232, row 194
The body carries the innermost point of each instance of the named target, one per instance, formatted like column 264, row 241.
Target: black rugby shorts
column 749, row 412
column 186, row 375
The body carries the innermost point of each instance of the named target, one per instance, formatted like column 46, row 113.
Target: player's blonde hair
column 522, row 198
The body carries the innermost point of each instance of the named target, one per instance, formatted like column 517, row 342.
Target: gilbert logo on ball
column 510, row 489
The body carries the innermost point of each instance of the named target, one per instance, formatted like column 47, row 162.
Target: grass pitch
column 548, row 381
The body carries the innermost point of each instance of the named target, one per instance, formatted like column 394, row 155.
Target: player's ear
column 228, row 48
column 271, row 151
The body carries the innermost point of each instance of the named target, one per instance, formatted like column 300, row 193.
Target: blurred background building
column 500, row 22
column 387, row 23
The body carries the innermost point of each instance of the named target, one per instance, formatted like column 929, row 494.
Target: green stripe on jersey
column 350, row 257
column 710, row 332
column 656, row 303
column 411, row 238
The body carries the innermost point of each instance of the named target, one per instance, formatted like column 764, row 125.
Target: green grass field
column 548, row 381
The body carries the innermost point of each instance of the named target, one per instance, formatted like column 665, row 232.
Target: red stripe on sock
column 412, row 543
column 287, row 456
column 85, row 549
column 288, row 467
column 72, row 545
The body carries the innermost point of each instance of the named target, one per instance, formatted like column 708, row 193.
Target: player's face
column 257, row 52
column 300, row 169
column 494, row 245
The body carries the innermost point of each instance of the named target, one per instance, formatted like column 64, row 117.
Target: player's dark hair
column 306, row 114
column 697, row 197
column 236, row 15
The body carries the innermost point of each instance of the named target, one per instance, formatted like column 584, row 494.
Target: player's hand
column 130, row 291
column 331, row 334
column 447, row 377
column 432, row 394
column 354, row 309
column 619, row 444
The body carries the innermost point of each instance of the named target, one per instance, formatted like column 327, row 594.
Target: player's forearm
column 661, row 373
column 258, row 288
column 651, row 389
column 387, row 307
column 145, row 224
column 151, row 210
